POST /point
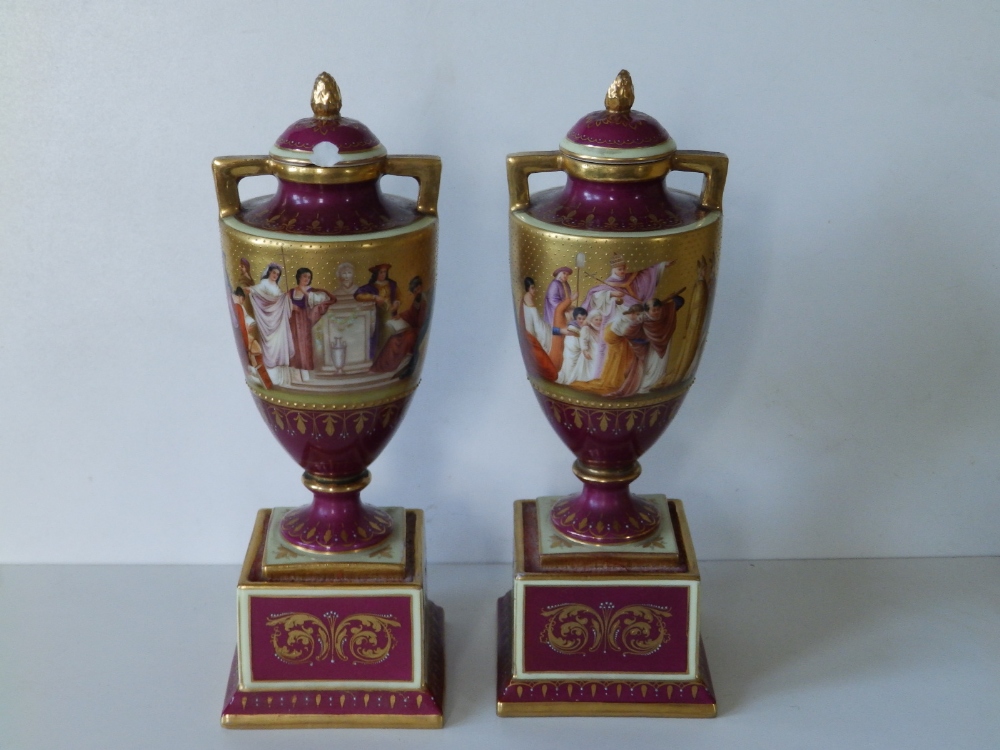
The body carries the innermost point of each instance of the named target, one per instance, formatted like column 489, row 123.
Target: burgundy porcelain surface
column 339, row 443
column 615, row 206
column 352, row 208
column 330, row 331
column 622, row 130
column 617, row 268
column 346, row 134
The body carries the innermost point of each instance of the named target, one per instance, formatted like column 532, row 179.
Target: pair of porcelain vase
column 331, row 285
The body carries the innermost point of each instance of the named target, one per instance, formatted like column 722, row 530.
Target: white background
column 846, row 404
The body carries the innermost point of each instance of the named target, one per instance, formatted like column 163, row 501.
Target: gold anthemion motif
column 637, row 629
column 299, row 638
column 332, row 423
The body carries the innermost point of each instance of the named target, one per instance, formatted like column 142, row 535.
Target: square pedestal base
column 609, row 635
column 339, row 644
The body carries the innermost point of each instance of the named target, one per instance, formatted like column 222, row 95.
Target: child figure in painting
column 572, row 351
column 623, row 364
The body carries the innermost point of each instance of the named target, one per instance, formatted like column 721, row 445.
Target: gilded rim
column 594, row 475
column 290, row 404
column 613, row 171
column 336, row 175
column 333, row 486
column 557, row 393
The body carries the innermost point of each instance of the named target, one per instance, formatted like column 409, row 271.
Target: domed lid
column 326, row 139
column 617, row 133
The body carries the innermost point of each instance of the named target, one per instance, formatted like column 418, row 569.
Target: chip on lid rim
column 327, row 139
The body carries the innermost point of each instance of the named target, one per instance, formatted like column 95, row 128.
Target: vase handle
column 709, row 163
column 229, row 170
column 426, row 170
column 519, row 166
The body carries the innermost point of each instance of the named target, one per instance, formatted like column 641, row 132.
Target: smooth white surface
column 804, row 654
column 846, row 404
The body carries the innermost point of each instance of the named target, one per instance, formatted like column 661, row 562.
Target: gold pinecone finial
column 621, row 95
column 326, row 97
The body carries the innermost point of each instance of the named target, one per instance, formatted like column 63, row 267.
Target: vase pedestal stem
column 337, row 520
column 605, row 512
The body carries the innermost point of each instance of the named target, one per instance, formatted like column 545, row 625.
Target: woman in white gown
column 274, row 311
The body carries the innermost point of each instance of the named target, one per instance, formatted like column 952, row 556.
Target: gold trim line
column 333, row 486
column 606, row 476
column 653, row 399
column 288, row 404
column 324, row 721
column 506, row 709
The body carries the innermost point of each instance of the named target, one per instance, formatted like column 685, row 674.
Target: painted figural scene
column 303, row 337
column 621, row 339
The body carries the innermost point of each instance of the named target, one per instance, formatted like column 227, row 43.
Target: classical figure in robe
column 621, row 373
column 558, row 292
column 536, row 336
column 685, row 360
column 418, row 316
column 273, row 312
column 658, row 325
column 403, row 343
column 384, row 292
column 558, row 300
column 624, row 288
column 247, row 328
column 308, row 305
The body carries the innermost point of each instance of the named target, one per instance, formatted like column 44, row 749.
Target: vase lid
column 618, row 133
column 326, row 139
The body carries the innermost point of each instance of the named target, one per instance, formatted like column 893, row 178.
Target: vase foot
column 368, row 528
column 337, row 520
column 576, row 519
column 605, row 512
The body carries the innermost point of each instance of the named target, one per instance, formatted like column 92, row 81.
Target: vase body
column 329, row 288
column 612, row 279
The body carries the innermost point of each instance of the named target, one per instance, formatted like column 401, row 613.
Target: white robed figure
column 623, row 288
column 274, row 311
column 533, row 321
column 573, row 348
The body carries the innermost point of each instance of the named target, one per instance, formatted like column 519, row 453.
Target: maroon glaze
column 274, row 630
column 623, row 130
column 607, row 439
column 337, row 444
column 615, row 206
column 336, row 523
column 346, row 134
column 351, row 208
column 620, row 622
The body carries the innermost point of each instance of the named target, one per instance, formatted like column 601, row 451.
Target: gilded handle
column 426, row 170
column 709, row 163
column 520, row 166
column 229, row 170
